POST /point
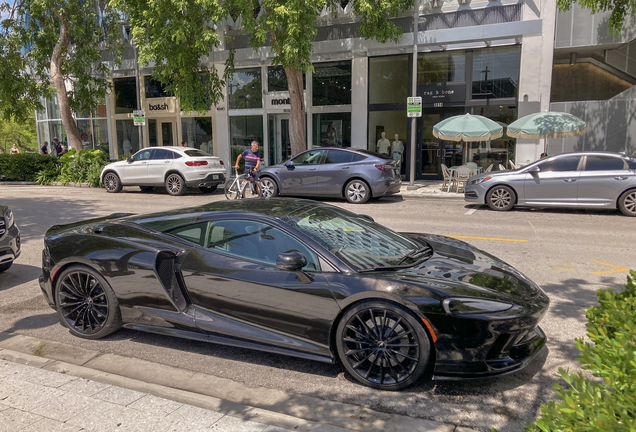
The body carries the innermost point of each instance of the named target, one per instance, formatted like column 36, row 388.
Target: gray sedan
column 581, row 180
column 354, row 174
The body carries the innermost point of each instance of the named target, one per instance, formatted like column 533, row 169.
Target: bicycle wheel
column 231, row 189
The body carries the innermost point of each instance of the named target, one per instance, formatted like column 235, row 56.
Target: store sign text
column 158, row 107
column 283, row 101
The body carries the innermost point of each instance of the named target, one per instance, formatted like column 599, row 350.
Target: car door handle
column 312, row 169
column 569, row 180
column 167, row 161
column 621, row 178
column 344, row 167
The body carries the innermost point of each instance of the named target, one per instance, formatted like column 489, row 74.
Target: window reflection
column 125, row 95
column 245, row 90
column 332, row 83
column 496, row 72
column 332, row 130
column 441, row 67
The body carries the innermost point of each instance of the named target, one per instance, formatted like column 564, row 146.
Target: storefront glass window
column 100, row 129
column 53, row 107
column 197, row 132
column 277, row 79
column 125, row 95
column 152, row 132
column 154, row 89
column 127, row 138
column 41, row 113
column 56, row 130
column 388, row 79
column 498, row 151
column 332, row 83
column 332, row 130
column 244, row 130
column 390, row 123
column 86, row 134
column 496, row 72
column 245, row 90
column 441, row 67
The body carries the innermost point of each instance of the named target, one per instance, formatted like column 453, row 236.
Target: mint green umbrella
column 548, row 124
column 467, row 127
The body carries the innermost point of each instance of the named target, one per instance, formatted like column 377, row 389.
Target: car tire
column 627, row 203
column 382, row 345
column 175, row 184
column 147, row 189
column 500, row 198
column 112, row 182
column 6, row 266
column 357, row 192
column 269, row 188
column 207, row 189
column 98, row 313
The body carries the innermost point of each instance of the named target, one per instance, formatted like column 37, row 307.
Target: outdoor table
column 453, row 172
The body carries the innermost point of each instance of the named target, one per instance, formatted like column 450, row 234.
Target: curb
column 270, row 406
column 17, row 183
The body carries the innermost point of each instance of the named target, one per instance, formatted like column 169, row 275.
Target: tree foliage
column 23, row 134
column 621, row 10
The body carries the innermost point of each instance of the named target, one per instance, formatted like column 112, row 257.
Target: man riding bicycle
column 252, row 161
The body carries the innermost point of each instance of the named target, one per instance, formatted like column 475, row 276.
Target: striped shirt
column 251, row 158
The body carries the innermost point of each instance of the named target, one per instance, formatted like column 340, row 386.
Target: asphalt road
column 569, row 253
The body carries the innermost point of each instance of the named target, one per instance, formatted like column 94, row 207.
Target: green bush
column 607, row 403
column 84, row 166
column 24, row 166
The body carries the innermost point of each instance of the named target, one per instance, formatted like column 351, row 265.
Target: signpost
column 139, row 118
column 414, row 106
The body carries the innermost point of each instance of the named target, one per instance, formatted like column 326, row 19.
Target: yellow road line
column 488, row 238
column 618, row 269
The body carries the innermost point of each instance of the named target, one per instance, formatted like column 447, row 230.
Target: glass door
column 167, row 132
column 279, row 139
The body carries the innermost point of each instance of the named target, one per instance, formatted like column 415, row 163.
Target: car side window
column 605, row 163
column 194, row 233
column 162, row 154
column 311, row 157
column 357, row 157
column 142, row 155
column 338, row 156
column 255, row 241
column 567, row 163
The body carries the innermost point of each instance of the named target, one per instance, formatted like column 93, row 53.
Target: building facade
column 493, row 58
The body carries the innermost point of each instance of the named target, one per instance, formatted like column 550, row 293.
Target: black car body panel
column 165, row 284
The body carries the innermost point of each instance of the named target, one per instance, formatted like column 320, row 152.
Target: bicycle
column 236, row 187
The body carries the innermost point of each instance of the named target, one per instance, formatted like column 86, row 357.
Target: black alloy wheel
column 627, row 203
column 357, row 192
column 208, row 189
column 382, row 345
column 175, row 185
column 86, row 304
column 112, row 183
column 6, row 266
column 269, row 189
column 500, row 198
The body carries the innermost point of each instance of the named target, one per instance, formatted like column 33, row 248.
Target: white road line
column 472, row 210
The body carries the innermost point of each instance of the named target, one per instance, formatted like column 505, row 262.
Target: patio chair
column 512, row 165
column 463, row 174
column 489, row 168
column 502, row 168
column 447, row 177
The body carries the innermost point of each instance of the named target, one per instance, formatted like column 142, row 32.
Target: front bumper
column 212, row 179
column 475, row 194
column 10, row 245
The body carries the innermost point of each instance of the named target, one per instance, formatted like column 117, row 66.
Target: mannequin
column 397, row 148
column 383, row 145
column 127, row 146
column 204, row 146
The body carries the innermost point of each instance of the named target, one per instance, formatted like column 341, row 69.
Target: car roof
column 179, row 149
column 594, row 153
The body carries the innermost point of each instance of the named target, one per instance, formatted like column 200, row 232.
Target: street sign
column 414, row 106
column 139, row 117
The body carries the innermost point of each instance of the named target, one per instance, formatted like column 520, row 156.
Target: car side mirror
column 534, row 170
column 294, row 261
column 289, row 164
column 130, row 160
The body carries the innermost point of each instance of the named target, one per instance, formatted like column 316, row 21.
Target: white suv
column 175, row 168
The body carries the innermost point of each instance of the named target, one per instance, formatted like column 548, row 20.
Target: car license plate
column 215, row 177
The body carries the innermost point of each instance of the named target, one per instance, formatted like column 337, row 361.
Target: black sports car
column 300, row 278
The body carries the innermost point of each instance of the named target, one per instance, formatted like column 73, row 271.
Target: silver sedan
column 580, row 180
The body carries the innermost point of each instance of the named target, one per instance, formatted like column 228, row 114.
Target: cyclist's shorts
column 254, row 175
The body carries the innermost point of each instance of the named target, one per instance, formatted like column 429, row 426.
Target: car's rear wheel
column 500, row 198
column 208, row 189
column 357, row 192
column 269, row 189
column 382, row 345
column 175, row 184
column 6, row 266
column 627, row 203
column 86, row 303
column 112, row 183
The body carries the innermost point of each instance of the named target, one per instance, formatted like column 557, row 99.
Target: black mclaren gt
column 300, row 278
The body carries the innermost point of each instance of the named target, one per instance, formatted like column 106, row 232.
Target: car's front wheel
column 382, row 345
column 208, row 189
column 627, row 203
column 269, row 189
column 500, row 198
column 86, row 303
column 112, row 183
column 6, row 266
column 175, row 184
column 357, row 192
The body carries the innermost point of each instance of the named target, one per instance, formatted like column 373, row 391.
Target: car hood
column 459, row 269
column 494, row 174
column 116, row 164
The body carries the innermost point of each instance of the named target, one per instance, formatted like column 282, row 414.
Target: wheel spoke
column 392, row 372
column 393, row 327
column 357, row 341
column 402, row 345
column 397, row 362
column 357, row 351
column 406, row 333
column 75, row 309
column 366, row 375
column 375, row 327
column 366, row 328
column 357, row 365
column 400, row 353
column 362, row 335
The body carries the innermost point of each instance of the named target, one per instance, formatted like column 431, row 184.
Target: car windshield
column 196, row 153
column 357, row 241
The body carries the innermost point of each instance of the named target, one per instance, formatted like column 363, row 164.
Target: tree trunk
column 297, row 102
column 57, row 77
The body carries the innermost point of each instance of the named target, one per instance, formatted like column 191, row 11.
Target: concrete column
column 221, row 129
column 359, row 101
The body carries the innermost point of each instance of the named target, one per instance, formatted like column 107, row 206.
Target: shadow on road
column 18, row 274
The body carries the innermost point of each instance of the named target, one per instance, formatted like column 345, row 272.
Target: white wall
column 359, row 97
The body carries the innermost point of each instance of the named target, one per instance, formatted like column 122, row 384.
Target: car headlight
column 8, row 218
column 478, row 181
column 465, row 305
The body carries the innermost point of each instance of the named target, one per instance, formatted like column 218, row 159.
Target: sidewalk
column 428, row 188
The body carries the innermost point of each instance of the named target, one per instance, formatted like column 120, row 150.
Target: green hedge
column 84, row 166
column 24, row 166
column 607, row 403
